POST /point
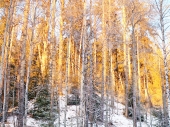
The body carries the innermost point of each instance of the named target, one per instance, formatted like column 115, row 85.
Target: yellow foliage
column 151, row 62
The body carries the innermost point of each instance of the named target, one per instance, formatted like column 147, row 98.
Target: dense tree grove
column 91, row 53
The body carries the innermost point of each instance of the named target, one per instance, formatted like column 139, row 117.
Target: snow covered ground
column 117, row 117
column 30, row 122
column 119, row 120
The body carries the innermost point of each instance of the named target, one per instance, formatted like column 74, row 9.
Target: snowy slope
column 119, row 120
column 30, row 122
column 117, row 117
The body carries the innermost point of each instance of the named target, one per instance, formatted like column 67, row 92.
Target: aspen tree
column 5, row 43
column 139, row 76
column 95, row 64
column 62, row 2
column 76, row 69
column 134, row 65
column 9, row 73
column 111, row 84
column 81, row 45
column 23, row 59
column 108, row 61
column 67, row 81
column 6, row 64
column 103, row 60
column 52, row 69
column 91, row 90
column 163, row 10
column 134, row 75
column 125, row 58
column 29, row 65
column 137, row 14
column 82, row 103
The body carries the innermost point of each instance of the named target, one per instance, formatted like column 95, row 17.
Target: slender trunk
column 67, row 75
column 18, row 82
column 80, row 53
column 163, row 98
column 112, row 80
column 85, row 89
column 27, row 83
column 103, row 60
column 52, row 86
column 5, row 43
column 117, row 73
column 125, row 62
column 60, row 47
column 92, row 105
column 6, row 80
column 81, row 59
column 162, row 25
column 139, row 81
column 91, row 88
column 52, row 67
column 138, row 63
column 134, row 76
column 11, row 37
column 29, row 69
column 82, row 104
column 72, row 59
column 7, row 64
column 129, row 63
column 23, row 59
column 95, row 64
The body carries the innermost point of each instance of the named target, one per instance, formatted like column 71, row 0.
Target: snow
column 30, row 121
column 119, row 120
column 116, row 117
column 31, row 104
column 71, row 116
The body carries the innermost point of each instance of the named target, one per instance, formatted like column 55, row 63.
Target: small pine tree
column 41, row 109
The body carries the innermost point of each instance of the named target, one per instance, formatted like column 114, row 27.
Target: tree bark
column 29, row 68
column 3, row 53
column 134, row 75
column 67, row 76
column 103, row 60
column 22, row 71
column 125, row 61
column 52, row 68
column 60, row 47
column 162, row 26
column 83, row 82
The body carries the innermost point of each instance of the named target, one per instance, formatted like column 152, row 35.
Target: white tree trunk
column 134, row 76
column 162, row 15
column 29, row 68
column 103, row 60
column 23, row 60
column 67, row 76
column 60, row 81
column 82, row 103
column 125, row 61
column 4, row 56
